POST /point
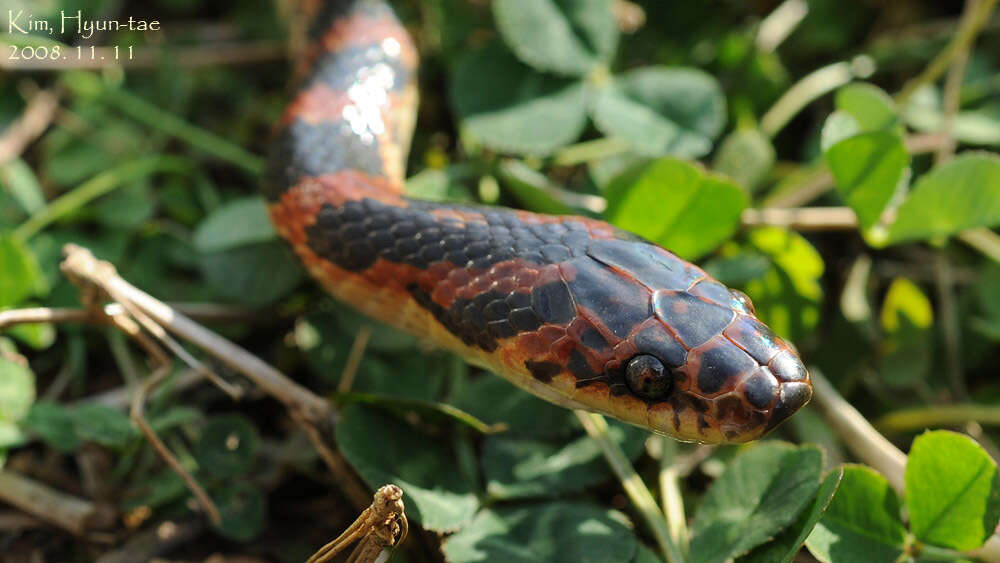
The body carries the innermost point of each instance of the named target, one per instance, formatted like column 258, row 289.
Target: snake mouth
column 793, row 396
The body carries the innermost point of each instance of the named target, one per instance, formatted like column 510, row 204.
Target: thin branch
column 203, row 312
column 802, row 218
column 60, row 509
column 139, row 417
column 161, row 335
column 356, row 491
column 47, row 315
column 121, row 397
column 85, row 270
column 962, row 40
column 37, row 116
column 635, row 488
column 354, row 358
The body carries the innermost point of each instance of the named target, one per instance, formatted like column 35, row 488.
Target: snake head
column 660, row 344
column 723, row 376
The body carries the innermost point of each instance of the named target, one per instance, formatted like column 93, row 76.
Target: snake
column 572, row 309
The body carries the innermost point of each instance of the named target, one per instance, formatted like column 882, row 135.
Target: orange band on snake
column 574, row 310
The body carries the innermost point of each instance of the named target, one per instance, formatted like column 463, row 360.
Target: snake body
column 572, row 309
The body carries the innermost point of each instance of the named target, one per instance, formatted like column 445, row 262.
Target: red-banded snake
column 572, row 309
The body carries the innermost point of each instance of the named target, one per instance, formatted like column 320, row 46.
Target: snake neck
column 351, row 119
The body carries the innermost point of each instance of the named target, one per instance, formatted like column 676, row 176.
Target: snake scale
column 571, row 309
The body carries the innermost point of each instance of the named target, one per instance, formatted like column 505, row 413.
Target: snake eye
column 744, row 301
column 647, row 377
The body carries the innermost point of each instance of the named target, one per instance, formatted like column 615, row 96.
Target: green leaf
column 20, row 180
column 517, row 467
column 558, row 531
column 174, row 416
column 907, row 319
column 562, row 36
column 870, row 106
column 786, row 545
column 21, row 276
column 103, row 425
column 646, row 555
column 53, row 423
column 11, row 435
column 257, row 274
column 326, row 343
column 531, row 188
column 660, row 110
column 384, row 449
column 384, row 338
column 38, row 336
column 227, row 446
column 243, row 508
column 441, row 185
column 156, row 490
column 838, row 126
column 429, row 409
column 868, row 169
column 127, row 207
column 953, row 197
column 17, row 390
column 238, row 223
column 862, row 522
column 952, row 491
column 496, row 401
column 674, row 203
column 746, row 155
column 738, row 269
column 513, row 108
column 787, row 298
column 763, row 490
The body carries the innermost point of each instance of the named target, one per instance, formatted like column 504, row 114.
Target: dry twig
column 139, row 417
column 37, row 116
column 94, row 275
column 65, row 511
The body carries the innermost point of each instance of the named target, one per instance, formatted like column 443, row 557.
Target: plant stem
column 857, row 433
column 97, row 186
column 952, row 90
column 950, row 326
column 780, row 23
column 590, row 150
column 984, row 240
column 670, row 492
column 803, row 92
column 638, row 493
column 967, row 32
column 147, row 113
column 933, row 416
